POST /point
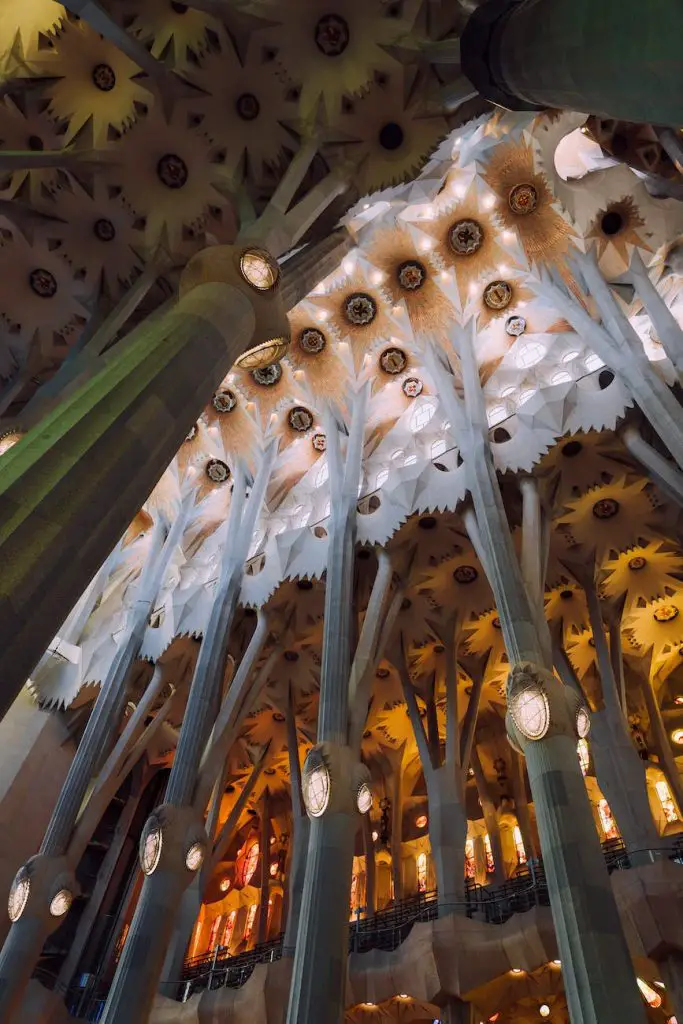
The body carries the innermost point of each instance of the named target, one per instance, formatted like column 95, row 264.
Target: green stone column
column 616, row 58
column 71, row 486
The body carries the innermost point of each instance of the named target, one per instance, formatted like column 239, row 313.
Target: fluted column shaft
column 616, row 58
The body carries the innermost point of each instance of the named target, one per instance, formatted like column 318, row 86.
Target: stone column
column 177, row 827
column 71, row 486
column 597, row 969
column 665, row 474
column 617, row 58
column 296, row 869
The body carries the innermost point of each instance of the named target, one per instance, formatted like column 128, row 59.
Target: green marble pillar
column 617, row 58
column 71, row 486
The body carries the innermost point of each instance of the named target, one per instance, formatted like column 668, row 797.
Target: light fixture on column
column 259, row 270
column 194, row 857
column 151, row 843
column 651, row 997
column 583, row 721
column 264, row 355
column 18, row 894
column 544, row 1010
column 364, row 798
column 61, row 903
column 316, row 783
column 528, row 706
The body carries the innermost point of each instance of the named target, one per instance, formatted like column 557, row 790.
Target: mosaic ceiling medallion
column 606, row 508
column 498, row 295
column 224, row 401
column 515, row 326
column 360, row 309
column 267, row 375
column 393, row 360
column 637, row 563
column 172, row 171
column 411, row 275
column 312, row 340
column 465, row 574
column 666, row 613
column 42, row 283
column 217, row 471
column 300, row 419
column 104, row 230
column 319, row 442
column 103, row 77
column 412, row 387
column 523, row 199
column 332, row 35
column 466, row 237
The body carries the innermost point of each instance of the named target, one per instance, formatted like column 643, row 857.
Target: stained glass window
column 469, row 858
column 354, row 891
column 666, row 800
column 609, row 826
column 421, row 862
column 215, row 931
column 229, row 929
column 519, row 845
column 247, row 861
column 251, row 915
column 584, row 755
column 490, row 866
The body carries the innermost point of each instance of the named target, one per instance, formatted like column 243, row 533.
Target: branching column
column 597, row 969
column 618, row 58
column 174, row 841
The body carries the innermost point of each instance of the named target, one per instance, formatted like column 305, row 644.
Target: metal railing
column 388, row 928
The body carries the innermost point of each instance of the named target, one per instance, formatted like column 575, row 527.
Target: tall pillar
column 71, row 486
column 597, row 969
column 616, row 58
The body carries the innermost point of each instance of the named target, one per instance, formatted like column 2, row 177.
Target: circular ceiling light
column 605, row 508
column 104, row 230
column 194, row 858
column 61, row 903
column 364, row 798
column 259, row 270
column 515, row 326
column 677, row 736
column 217, row 471
column 224, row 401
column 498, row 295
column 530, row 710
column 544, row 1010
column 103, row 77
column 411, row 275
column 665, row 613
column 421, row 821
column 312, row 340
column 266, row 376
column 523, row 199
column 18, row 894
column 300, row 419
column 172, row 171
column 466, row 237
column 393, row 360
column 151, row 844
column 247, row 106
column 224, row 884
column 42, row 283
column 412, row 387
column 331, row 35
column 360, row 309
column 465, row 574
column 637, row 563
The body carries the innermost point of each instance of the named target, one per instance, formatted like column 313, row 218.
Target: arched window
column 247, row 861
column 249, row 926
column 229, row 929
column 490, row 866
column 354, row 892
column 666, row 800
column 215, row 931
column 609, row 825
column 519, row 844
column 469, row 858
column 421, row 864
column 584, row 755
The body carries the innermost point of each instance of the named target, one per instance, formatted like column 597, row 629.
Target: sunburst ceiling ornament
column 618, row 226
column 94, row 83
column 300, row 419
column 527, row 204
column 312, row 340
column 658, row 626
column 643, row 573
column 26, row 125
column 466, row 238
column 169, row 28
column 610, row 518
column 393, row 361
column 28, row 21
column 224, row 401
column 498, row 295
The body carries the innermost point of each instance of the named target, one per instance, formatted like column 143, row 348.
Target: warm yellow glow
column 666, row 800
column 9, row 440
column 584, row 755
column 544, row 1010
column 651, row 997
column 516, row 970
column 264, row 355
column 421, row 820
column 259, row 270
column 519, row 844
column 421, row 864
column 677, row 736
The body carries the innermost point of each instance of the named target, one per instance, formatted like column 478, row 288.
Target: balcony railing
column 388, row 928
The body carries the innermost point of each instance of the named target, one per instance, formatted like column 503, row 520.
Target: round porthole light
column 364, row 799
column 18, row 894
column 316, row 784
column 544, row 1010
column 259, row 270
column 194, row 857
column 583, row 722
column 150, row 846
column 530, row 710
column 61, row 903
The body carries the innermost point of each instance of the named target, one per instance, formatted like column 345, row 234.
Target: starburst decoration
column 657, row 626
column 609, row 518
column 28, row 20
column 618, row 227
column 643, row 573
column 163, row 27
column 314, row 355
